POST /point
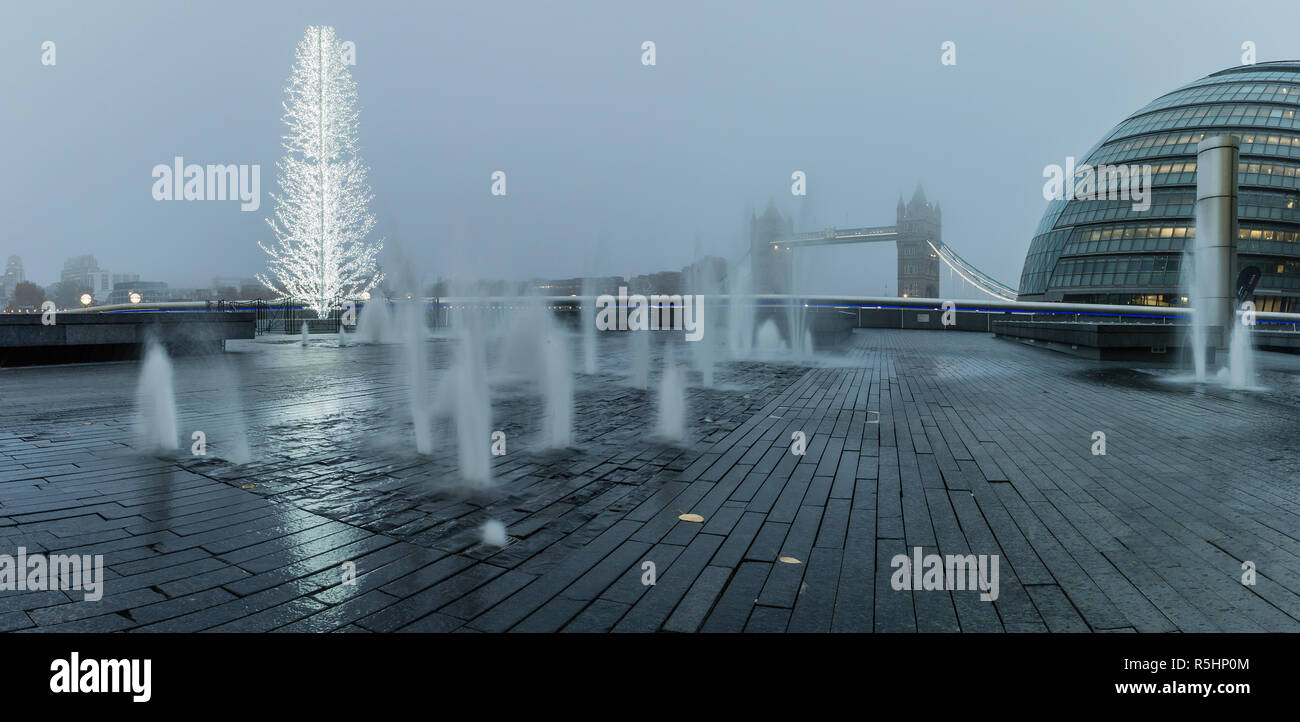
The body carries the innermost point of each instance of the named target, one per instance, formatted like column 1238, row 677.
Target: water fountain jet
column 740, row 312
column 417, row 375
column 464, row 397
column 473, row 406
column 156, row 401
column 640, row 343
column 1241, row 360
column 672, row 401
column 557, row 387
column 588, row 322
column 375, row 324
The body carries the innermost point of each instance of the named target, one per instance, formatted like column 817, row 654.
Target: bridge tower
column 918, row 264
column 772, row 266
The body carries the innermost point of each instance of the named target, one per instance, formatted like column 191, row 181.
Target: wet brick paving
column 954, row 443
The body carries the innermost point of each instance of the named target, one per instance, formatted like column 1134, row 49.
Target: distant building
column 669, row 282
column 707, row 275
column 100, row 284
column 234, row 288
column 605, row 285
column 772, row 264
column 13, row 276
column 150, row 292
column 1114, row 250
column 190, row 294
column 443, row 288
column 77, row 268
column 84, row 271
column 596, row 286
column 918, row 263
column 556, row 287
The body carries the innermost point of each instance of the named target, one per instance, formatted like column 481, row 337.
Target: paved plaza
column 956, row 443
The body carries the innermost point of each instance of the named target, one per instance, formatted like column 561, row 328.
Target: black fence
column 286, row 317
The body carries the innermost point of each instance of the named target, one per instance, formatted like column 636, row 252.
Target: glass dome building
column 1095, row 250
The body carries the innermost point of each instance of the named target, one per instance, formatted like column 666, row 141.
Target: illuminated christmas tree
column 321, row 257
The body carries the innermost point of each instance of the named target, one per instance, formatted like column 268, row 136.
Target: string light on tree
column 321, row 256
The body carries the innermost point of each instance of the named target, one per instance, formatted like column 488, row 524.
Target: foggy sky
column 613, row 168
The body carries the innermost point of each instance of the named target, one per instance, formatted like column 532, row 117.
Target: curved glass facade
column 1108, row 251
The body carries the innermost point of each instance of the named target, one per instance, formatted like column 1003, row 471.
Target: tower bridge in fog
column 917, row 233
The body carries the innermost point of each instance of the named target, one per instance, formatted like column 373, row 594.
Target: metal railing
column 280, row 317
column 271, row 316
column 973, row 275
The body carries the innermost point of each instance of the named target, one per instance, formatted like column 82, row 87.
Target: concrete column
column 1216, row 235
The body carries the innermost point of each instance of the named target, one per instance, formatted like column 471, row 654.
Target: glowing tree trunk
column 320, row 256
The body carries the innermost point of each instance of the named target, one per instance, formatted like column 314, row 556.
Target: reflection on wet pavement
column 955, row 443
